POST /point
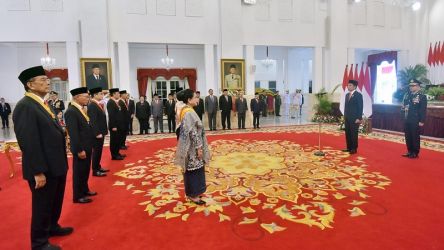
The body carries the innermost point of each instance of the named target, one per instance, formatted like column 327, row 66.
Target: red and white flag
column 344, row 90
column 367, row 93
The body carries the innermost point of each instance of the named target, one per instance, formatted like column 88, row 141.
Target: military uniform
column 233, row 81
column 415, row 108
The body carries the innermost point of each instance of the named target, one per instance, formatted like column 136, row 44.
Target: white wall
column 436, row 21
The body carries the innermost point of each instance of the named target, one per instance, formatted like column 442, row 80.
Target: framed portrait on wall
column 96, row 72
column 233, row 74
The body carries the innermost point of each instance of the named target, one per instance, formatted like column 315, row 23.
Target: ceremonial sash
column 81, row 110
column 39, row 101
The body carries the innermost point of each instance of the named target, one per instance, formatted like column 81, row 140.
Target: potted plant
column 436, row 92
column 419, row 72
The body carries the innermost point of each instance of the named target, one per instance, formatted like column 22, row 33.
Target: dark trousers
column 5, row 121
column 46, row 209
column 412, row 137
column 241, row 120
column 226, row 119
column 256, row 119
column 143, row 124
column 123, row 137
column 97, row 154
column 212, row 120
column 200, row 116
column 80, row 175
column 114, row 143
column 171, row 123
column 277, row 109
column 130, row 127
column 351, row 134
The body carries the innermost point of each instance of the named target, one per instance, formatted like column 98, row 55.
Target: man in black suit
column 256, row 108
column 143, row 114
column 5, row 111
column 97, row 116
column 199, row 108
column 115, row 124
column 241, row 108
column 132, row 111
column 44, row 162
column 82, row 139
column 123, row 103
column 170, row 110
column 96, row 79
column 353, row 116
column 415, row 108
column 225, row 105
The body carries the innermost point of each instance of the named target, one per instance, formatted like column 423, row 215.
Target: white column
column 351, row 57
column 124, row 67
column 318, row 79
column 73, row 63
column 210, row 79
column 338, row 37
column 249, row 74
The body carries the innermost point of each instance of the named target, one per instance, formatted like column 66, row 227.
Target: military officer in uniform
column 233, row 80
column 97, row 116
column 44, row 162
column 415, row 108
column 115, row 124
column 82, row 138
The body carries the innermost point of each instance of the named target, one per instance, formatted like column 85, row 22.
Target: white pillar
column 73, row 63
column 318, row 79
column 249, row 74
column 124, row 67
column 338, row 38
column 210, row 79
column 351, row 57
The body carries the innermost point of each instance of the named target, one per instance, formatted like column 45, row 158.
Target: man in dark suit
column 353, row 116
column 124, row 112
column 115, row 124
column 199, row 108
column 277, row 104
column 97, row 116
column 170, row 110
column 415, row 108
column 44, row 162
column 96, row 79
column 211, row 107
column 131, row 111
column 225, row 105
column 256, row 108
column 82, row 139
column 241, row 108
column 157, row 113
column 143, row 114
column 56, row 104
column 5, row 111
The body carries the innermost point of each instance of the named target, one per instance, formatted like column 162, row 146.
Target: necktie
column 170, row 102
column 232, row 76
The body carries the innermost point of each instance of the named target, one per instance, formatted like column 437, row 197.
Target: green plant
column 419, row 72
column 323, row 108
column 435, row 91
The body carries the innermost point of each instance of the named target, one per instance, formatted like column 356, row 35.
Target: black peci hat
column 95, row 90
column 122, row 92
column 28, row 74
column 114, row 90
column 78, row 91
column 354, row 82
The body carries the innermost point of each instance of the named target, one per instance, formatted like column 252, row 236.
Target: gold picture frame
column 91, row 80
column 232, row 74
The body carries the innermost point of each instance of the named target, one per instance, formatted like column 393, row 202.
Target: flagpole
column 319, row 152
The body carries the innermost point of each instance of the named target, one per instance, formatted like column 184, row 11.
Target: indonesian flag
column 367, row 93
column 361, row 78
column 430, row 56
column 344, row 90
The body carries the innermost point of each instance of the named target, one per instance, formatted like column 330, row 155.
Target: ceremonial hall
column 221, row 124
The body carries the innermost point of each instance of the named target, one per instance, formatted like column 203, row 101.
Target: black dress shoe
column 99, row 174
column 413, row 156
column 123, row 155
column 124, row 147
column 406, row 155
column 104, row 170
column 83, row 200
column 51, row 247
column 352, row 152
column 119, row 158
column 345, row 150
column 61, row 231
column 199, row 202
column 91, row 193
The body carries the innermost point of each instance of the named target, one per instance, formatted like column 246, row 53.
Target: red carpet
column 407, row 214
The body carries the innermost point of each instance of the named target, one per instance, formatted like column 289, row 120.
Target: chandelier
column 267, row 62
column 48, row 62
column 167, row 61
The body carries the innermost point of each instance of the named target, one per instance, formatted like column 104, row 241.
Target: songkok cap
column 78, row 91
column 27, row 74
column 95, row 90
column 354, row 82
column 414, row 82
column 95, row 66
column 122, row 92
column 112, row 91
